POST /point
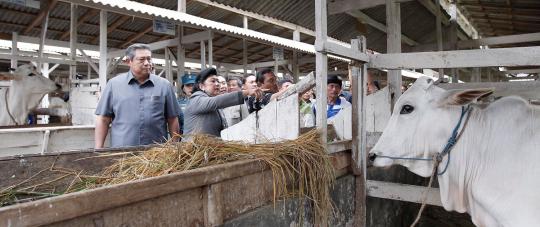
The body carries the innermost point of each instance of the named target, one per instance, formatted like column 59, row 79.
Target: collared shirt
column 139, row 111
column 334, row 109
column 256, row 105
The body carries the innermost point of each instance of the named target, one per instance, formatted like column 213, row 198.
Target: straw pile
column 299, row 167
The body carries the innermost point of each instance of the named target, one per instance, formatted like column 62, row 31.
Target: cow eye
column 31, row 74
column 406, row 109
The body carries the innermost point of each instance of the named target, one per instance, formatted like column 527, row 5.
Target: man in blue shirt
column 335, row 102
column 140, row 105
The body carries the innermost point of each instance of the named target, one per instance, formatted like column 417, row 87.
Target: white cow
column 27, row 89
column 494, row 168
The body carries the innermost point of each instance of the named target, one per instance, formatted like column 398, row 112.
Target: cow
column 27, row 89
column 493, row 170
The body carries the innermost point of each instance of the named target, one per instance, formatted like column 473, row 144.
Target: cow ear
column 464, row 97
column 6, row 76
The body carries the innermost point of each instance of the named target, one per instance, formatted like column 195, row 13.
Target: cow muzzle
column 378, row 161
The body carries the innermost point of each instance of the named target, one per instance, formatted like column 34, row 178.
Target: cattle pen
column 472, row 44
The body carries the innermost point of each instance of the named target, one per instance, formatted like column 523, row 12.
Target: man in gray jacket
column 204, row 113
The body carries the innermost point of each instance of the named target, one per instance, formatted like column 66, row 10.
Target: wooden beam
column 257, row 16
column 91, row 13
column 73, row 41
column 43, row 35
column 321, row 68
column 358, row 76
column 197, row 37
column 14, row 49
column 393, row 23
column 102, row 49
column 134, row 37
column 517, row 56
column 117, row 23
column 40, row 16
column 403, row 192
column 342, row 6
column 510, row 39
column 336, row 49
column 379, row 26
column 89, row 61
column 153, row 46
column 528, row 71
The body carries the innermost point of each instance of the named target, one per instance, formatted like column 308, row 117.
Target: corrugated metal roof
column 417, row 23
column 154, row 11
column 502, row 17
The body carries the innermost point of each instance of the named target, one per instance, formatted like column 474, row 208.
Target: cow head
column 421, row 123
column 28, row 78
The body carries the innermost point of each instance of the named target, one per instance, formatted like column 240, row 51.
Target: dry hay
column 299, row 167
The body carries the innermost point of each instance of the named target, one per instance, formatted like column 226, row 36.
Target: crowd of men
column 142, row 108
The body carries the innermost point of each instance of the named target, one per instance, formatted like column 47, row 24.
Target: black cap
column 333, row 79
column 201, row 77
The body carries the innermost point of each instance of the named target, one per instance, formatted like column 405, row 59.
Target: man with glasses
column 141, row 106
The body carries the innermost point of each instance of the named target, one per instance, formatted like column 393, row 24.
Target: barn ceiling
column 490, row 17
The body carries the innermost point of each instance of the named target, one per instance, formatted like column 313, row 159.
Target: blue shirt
column 333, row 110
column 139, row 112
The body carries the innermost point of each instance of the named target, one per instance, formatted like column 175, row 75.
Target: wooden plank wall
column 33, row 140
column 377, row 115
column 83, row 105
column 276, row 121
column 207, row 196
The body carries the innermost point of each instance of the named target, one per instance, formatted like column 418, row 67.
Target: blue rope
column 452, row 140
column 405, row 158
column 447, row 148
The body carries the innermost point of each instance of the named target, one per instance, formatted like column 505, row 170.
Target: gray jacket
column 203, row 113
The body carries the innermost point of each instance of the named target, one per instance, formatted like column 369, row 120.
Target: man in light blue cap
column 188, row 80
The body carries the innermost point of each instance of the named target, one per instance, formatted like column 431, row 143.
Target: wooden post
column 295, row 66
column 393, row 24
column 88, row 76
column 359, row 138
column 14, row 49
column 476, row 75
column 439, row 36
column 168, row 65
column 102, row 49
column 244, row 48
column 453, row 41
column 210, row 51
column 73, row 42
column 203, row 55
column 43, row 35
column 276, row 67
column 321, row 68
column 180, row 50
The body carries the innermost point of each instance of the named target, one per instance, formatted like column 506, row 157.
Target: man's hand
column 102, row 128
column 255, row 91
